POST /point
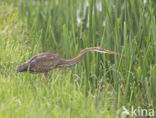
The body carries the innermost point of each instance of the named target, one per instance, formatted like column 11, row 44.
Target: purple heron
column 46, row 61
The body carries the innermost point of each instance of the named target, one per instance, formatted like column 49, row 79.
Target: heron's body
column 44, row 62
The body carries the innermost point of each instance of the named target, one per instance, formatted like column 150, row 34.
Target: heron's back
column 42, row 62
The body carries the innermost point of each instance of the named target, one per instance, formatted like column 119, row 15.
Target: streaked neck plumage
column 70, row 62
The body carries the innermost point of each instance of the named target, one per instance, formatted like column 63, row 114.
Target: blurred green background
column 98, row 86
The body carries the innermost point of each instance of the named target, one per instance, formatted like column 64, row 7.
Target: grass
column 100, row 85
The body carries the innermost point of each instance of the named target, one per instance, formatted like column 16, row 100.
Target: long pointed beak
column 111, row 52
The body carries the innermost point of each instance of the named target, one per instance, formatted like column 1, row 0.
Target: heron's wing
column 43, row 62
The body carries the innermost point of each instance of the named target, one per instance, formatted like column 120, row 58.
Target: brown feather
column 46, row 61
column 42, row 62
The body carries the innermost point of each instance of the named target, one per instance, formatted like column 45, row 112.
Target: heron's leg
column 45, row 77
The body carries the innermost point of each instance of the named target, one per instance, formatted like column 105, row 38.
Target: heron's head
column 101, row 49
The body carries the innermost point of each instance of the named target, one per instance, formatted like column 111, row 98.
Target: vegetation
column 98, row 86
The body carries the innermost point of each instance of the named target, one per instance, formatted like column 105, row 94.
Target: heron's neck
column 70, row 62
